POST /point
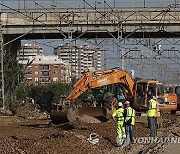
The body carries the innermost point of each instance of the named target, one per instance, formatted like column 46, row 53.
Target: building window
column 29, row 67
column 55, row 79
column 44, row 79
column 45, row 73
column 36, row 79
column 28, row 72
column 29, row 79
column 36, row 72
column 36, row 66
column 44, row 67
column 55, row 72
column 55, row 66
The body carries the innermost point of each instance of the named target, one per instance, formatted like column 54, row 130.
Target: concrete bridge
column 81, row 23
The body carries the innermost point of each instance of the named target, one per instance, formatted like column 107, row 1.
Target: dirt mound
column 88, row 119
column 30, row 111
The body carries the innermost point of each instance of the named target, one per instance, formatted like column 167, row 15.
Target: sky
column 159, row 67
column 80, row 3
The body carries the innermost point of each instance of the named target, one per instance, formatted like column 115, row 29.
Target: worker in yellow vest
column 129, row 115
column 151, row 114
column 119, row 118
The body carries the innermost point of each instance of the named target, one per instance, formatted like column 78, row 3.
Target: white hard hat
column 127, row 102
column 120, row 104
column 154, row 97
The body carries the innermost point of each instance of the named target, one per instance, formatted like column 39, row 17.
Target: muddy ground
column 19, row 135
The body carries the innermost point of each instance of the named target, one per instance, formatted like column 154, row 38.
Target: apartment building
column 44, row 70
column 81, row 59
column 28, row 50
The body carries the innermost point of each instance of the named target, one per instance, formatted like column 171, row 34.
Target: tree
column 13, row 75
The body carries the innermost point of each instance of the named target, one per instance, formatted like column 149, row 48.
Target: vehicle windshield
column 177, row 91
column 140, row 93
column 160, row 90
column 152, row 90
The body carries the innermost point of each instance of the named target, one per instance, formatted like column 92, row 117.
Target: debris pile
column 31, row 111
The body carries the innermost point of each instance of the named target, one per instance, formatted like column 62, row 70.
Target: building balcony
column 44, row 67
column 44, row 80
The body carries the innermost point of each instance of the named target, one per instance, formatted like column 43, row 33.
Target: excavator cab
column 177, row 91
column 140, row 95
column 146, row 88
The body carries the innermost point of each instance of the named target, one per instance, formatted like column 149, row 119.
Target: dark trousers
column 130, row 132
column 129, row 135
column 152, row 124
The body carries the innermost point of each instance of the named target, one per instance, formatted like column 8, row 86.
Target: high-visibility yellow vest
column 119, row 115
column 130, row 115
column 151, row 112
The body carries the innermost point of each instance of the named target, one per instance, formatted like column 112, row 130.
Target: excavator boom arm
column 80, row 87
column 102, row 78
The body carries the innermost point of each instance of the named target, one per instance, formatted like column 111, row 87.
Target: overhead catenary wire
column 29, row 18
column 162, row 21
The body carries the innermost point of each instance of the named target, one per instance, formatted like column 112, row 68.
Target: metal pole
column 120, row 33
column 122, row 59
column 2, row 72
column 144, row 3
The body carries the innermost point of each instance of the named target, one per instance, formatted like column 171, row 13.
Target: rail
column 167, row 131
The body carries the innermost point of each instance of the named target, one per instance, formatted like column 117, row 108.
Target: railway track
column 153, row 146
column 170, row 123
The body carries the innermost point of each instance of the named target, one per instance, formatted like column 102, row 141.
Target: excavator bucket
column 99, row 113
column 58, row 117
column 73, row 114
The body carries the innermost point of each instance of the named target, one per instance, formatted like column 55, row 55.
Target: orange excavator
column 177, row 91
column 96, row 93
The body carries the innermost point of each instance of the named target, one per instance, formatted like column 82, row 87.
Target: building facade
column 28, row 50
column 81, row 59
column 44, row 70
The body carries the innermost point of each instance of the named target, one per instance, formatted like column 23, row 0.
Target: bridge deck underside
column 75, row 35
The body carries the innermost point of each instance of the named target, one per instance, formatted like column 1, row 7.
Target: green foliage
column 74, row 80
column 58, row 89
column 13, row 73
column 24, row 92
column 35, row 92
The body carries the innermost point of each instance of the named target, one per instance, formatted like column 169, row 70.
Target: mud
column 19, row 135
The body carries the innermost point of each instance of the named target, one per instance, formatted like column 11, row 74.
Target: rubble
column 31, row 111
